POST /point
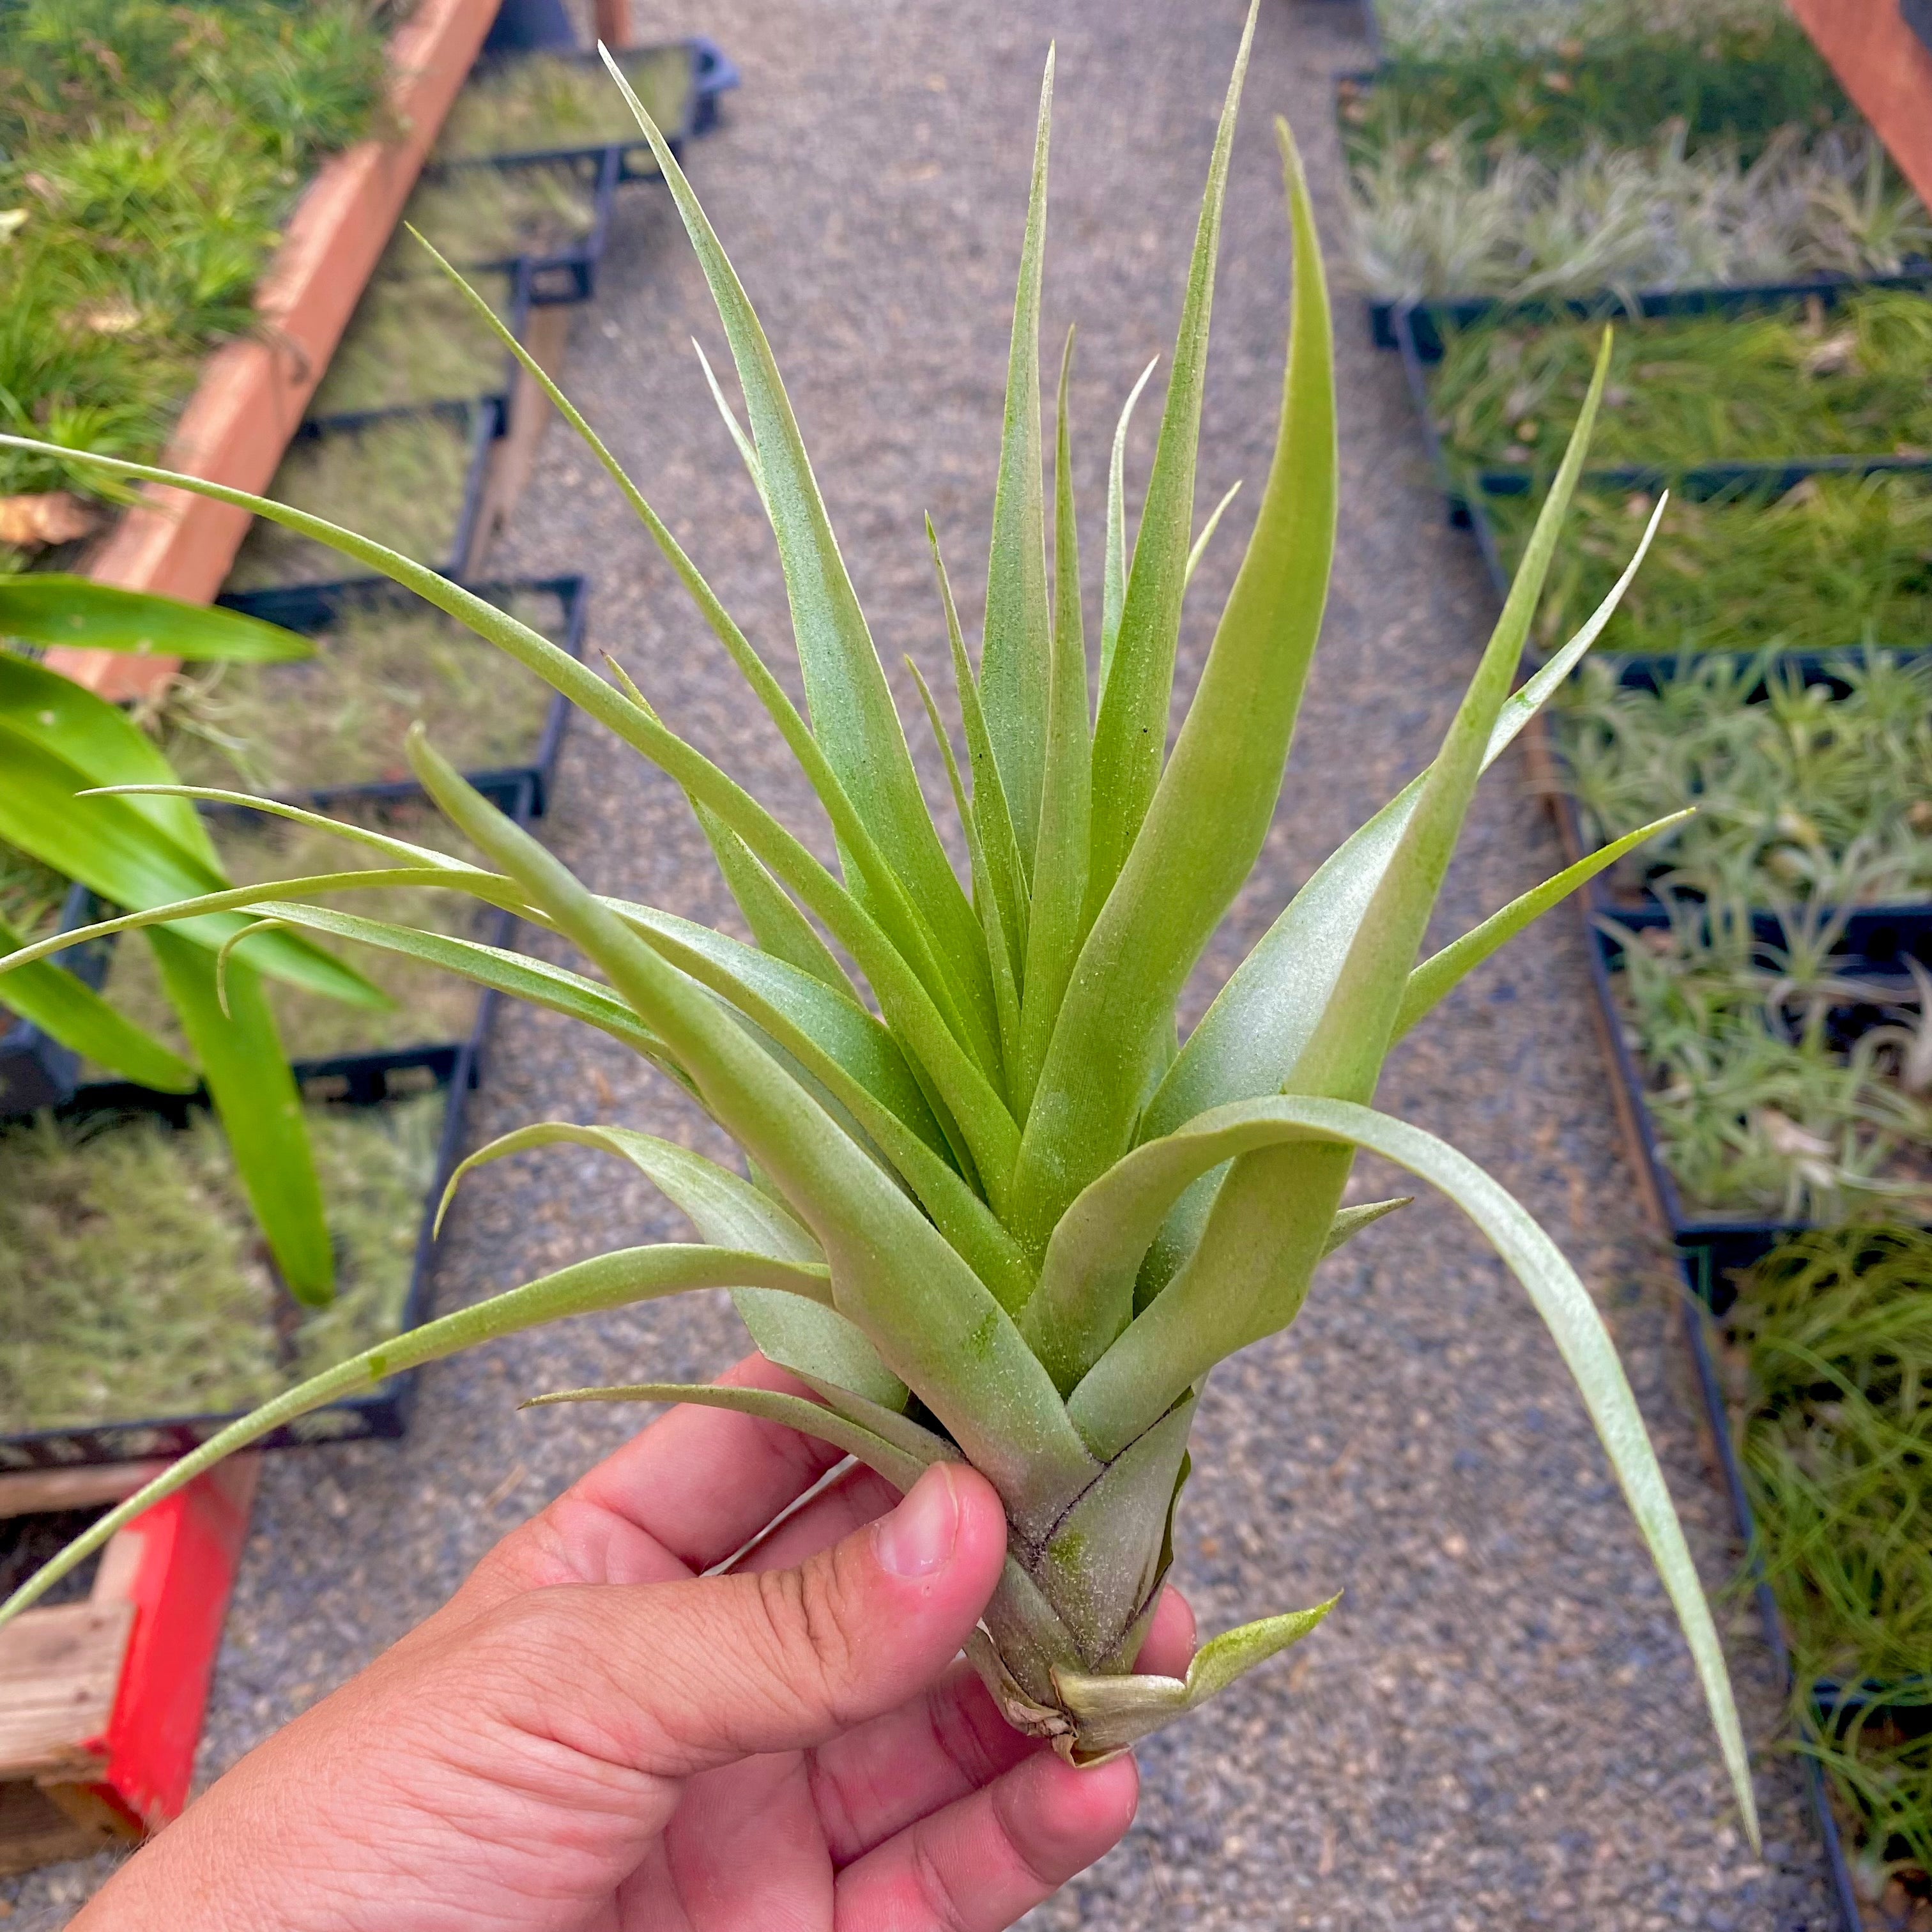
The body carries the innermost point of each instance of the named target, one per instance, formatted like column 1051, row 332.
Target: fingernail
column 917, row 1538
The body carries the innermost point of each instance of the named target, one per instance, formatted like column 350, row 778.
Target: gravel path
column 1498, row 1727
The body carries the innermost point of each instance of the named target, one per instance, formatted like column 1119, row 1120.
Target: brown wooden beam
column 1886, row 68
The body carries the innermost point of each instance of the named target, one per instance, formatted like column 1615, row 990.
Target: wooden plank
column 1886, row 69
column 32, row 1492
column 547, row 337
column 253, row 392
column 59, row 1670
column 36, row 1829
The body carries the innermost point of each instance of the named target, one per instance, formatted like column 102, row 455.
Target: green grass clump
column 536, row 102
column 428, row 1007
column 490, row 214
column 1834, row 1334
column 1834, row 561
column 416, row 341
column 404, row 478
column 339, row 717
column 1779, row 1088
column 149, row 150
column 1467, row 29
column 1444, row 215
column 1801, row 794
column 1737, row 86
column 1799, row 380
column 134, row 1284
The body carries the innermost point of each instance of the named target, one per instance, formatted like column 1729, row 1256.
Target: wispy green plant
column 338, row 717
column 1800, row 380
column 1801, row 792
column 1780, row 1088
column 1834, row 1335
column 149, row 152
column 133, row 1282
column 406, row 475
column 1004, row 1189
column 1445, row 216
column 413, row 341
column 1832, row 562
column 532, row 103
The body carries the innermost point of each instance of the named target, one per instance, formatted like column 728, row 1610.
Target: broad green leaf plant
column 992, row 1209
column 57, row 742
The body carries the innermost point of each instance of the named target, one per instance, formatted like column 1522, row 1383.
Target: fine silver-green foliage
column 983, row 1171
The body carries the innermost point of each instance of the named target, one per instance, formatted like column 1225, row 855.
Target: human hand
column 590, row 1736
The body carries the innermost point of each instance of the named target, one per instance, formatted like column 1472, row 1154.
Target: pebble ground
column 1499, row 1727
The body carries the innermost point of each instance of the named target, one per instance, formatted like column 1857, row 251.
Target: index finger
column 679, row 1497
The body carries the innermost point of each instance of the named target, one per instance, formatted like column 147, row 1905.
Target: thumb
column 680, row 1677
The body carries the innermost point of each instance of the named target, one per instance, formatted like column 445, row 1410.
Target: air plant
column 338, row 717
column 1831, row 563
column 1803, row 791
column 1444, row 217
column 1797, row 380
column 1833, row 1332
column 1007, row 1216
column 133, row 1281
column 1781, row 1085
column 406, row 474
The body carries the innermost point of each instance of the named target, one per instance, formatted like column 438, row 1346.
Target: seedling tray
column 36, row 1071
column 484, row 422
column 381, row 1411
column 1420, row 346
column 495, row 401
column 1882, row 936
column 567, row 273
column 1723, row 1443
column 712, row 75
column 310, row 608
column 1710, row 1248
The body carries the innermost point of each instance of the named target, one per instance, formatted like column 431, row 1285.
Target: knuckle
column 813, row 1648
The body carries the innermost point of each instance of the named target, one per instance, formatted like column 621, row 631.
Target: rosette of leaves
column 992, row 1209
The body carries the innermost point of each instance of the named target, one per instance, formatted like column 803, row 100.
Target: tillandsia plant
column 1007, row 1217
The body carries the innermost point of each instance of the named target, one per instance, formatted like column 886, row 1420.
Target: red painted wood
column 1885, row 67
column 190, row 1546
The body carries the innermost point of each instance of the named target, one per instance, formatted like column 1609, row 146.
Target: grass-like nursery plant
column 1803, row 791
column 1833, row 1331
column 1791, row 381
column 1834, row 562
column 993, row 1209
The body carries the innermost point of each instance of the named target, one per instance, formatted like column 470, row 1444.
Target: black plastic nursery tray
column 36, row 1071
column 1881, row 937
column 494, row 402
column 351, row 1080
column 1711, row 1248
column 1717, row 1420
column 569, row 273
column 1419, row 350
column 312, row 608
column 712, row 75
column 482, row 422
column 382, row 1410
